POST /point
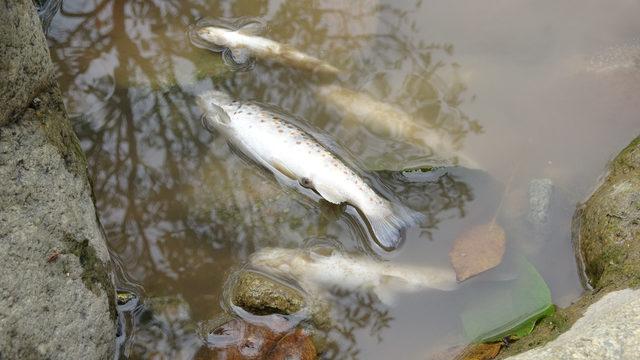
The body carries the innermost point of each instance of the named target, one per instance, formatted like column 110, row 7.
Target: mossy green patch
column 608, row 225
column 551, row 327
column 51, row 115
column 95, row 272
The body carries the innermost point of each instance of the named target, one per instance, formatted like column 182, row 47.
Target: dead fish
column 316, row 271
column 391, row 122
column 244, row 41
column 288, row 151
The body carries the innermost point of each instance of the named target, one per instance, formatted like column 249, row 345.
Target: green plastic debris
column 509, row 309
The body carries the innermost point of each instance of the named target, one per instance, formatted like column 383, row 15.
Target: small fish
column 388, row 121
column 241, row 41
column 316, row 271
column 288, row 151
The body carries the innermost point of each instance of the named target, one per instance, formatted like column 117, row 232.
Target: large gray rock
column 25, row 66
column 609, row 329
column 56, row 292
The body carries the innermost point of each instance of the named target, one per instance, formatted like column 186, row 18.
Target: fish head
column 213, row 35
column 215, row 105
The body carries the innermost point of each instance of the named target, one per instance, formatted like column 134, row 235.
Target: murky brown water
column 553, row 86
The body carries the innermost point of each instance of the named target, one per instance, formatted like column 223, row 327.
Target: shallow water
column 553, row 87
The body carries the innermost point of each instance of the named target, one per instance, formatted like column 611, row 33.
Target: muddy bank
column 603, row 323
column 56, row 291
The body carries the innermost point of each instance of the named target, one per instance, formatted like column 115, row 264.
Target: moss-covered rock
column 262, row 295
column 608, row 225
column 56, row 293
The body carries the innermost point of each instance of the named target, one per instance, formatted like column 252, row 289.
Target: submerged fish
column 388, row 121
column 316, row 271
column 288, row 151
column 241, row 41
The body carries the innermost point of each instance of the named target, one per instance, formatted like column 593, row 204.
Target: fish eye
column 306, row 182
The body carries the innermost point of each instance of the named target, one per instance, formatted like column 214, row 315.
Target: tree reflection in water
column 178, row 207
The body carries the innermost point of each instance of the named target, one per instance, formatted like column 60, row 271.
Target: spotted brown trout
column 274, row 141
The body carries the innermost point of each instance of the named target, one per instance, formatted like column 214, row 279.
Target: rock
column 56, row 294
column 540, row 192
column 242, row 340
column 163, row 329
column 25, row 64
column 262, row 295
column 61, row 305
column 295, row 345
column 608, row 225
column 609, row 329
column 480, row 352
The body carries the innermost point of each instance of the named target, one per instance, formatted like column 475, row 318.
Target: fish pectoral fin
column 238, row 56
column 284, row 170
column 328, row 193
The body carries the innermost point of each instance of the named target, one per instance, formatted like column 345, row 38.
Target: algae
column 261, row 295
column 58, row 130
column 95, row 273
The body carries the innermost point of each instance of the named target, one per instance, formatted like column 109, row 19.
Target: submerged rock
column 540, row 196
column 261, row 295
column 238, row 339
column 295, row 345
column 608, row 225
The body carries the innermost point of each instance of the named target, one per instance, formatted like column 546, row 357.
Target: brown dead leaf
column 477, row 250
column 480, row 352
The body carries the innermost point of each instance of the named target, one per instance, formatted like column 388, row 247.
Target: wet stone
column 240, row 339
column 295, row 345
column 261, row 295
column 607, row 226
column 540, row 195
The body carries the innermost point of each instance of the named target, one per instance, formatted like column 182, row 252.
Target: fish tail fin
column 389, row 227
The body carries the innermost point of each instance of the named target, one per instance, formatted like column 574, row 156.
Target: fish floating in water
column 388, row 121
column 243, row 41
column 288, row 151
column 315, row 272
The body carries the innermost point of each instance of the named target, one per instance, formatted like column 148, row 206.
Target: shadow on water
column 181, row 210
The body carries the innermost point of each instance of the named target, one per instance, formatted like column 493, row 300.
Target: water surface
column 530, row 89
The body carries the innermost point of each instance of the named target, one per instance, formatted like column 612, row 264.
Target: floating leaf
column 508, row 309
column 477, row 250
